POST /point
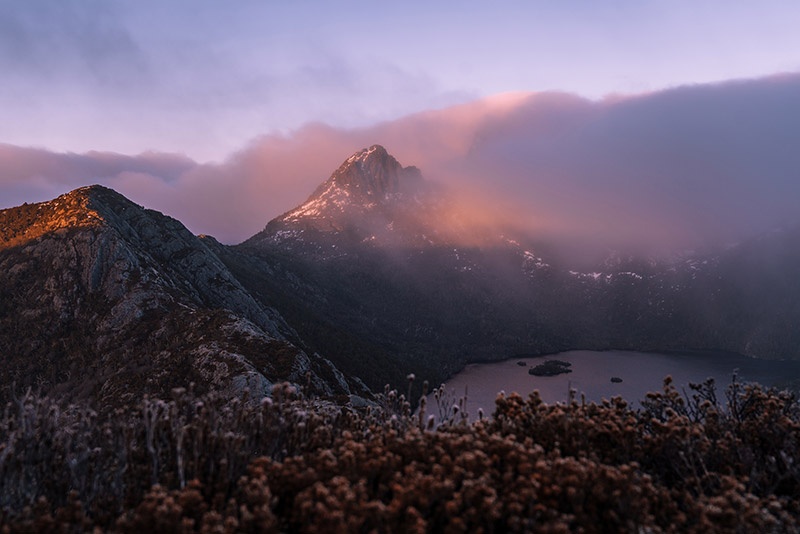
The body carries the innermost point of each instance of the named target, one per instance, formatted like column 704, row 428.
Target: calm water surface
column 592, row 371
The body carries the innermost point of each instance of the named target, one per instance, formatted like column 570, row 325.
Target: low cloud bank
column 681, row 167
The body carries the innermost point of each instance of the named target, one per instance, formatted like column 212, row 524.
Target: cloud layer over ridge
column 677, row 167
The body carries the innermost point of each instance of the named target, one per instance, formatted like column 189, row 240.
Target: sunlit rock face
column 103, row 299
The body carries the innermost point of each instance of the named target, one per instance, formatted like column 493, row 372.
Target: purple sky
column 608, row 117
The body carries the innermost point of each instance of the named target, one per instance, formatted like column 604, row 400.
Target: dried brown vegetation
column 680, row 463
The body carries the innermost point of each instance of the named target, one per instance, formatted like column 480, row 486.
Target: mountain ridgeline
column 102, row 299
column 368, row 280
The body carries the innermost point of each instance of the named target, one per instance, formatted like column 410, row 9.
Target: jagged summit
column 373, row 174
column 370, row 195
column 369, row 178
column 373, row 200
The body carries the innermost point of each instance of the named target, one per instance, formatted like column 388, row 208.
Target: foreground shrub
column 46, row 451
column 680, row 463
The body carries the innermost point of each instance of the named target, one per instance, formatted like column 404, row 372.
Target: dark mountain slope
column 102, row 299
column 369, row 273
column 366, row 273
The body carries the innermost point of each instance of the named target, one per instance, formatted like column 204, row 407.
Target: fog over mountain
column 680, row 167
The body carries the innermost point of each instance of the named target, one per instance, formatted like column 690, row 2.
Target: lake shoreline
column 592, row 371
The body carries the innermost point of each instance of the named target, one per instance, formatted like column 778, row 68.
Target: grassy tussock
column 681, row 463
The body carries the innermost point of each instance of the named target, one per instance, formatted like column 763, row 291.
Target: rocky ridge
column 106, row 300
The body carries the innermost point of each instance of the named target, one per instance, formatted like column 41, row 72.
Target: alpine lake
column 597, row 375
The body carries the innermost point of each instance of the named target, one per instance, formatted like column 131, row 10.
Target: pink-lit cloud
column 677, row 167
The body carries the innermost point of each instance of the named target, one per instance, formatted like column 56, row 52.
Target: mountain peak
column 368, row 196
column 375, row 152
column 93, row 192
column 368, row 179
column 29, row 221
column 371, row 174
column 84, row 207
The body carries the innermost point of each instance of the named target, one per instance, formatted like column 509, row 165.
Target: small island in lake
column 551, row 368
